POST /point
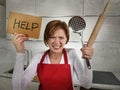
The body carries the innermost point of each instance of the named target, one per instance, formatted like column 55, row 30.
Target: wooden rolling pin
column 98, row 25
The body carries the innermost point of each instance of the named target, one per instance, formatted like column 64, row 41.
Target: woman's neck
column 55, row 58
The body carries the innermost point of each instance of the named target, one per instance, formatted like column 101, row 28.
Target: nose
column 57, row 40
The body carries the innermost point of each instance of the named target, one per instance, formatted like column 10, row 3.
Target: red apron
column 54, row 76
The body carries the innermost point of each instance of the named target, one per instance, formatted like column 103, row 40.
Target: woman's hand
column 18, row 42
column 87, row 51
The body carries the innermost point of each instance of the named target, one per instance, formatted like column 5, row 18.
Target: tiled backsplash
column 107, row 50
column 105, row 58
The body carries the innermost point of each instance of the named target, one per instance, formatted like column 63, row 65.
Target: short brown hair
column 52, row 26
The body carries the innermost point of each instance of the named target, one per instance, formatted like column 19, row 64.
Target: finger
column 19, row 35
column 22, row 39
column 87, row 49
column 86, row 56
column 85, row 45
column 88, row 53
column 19, row 40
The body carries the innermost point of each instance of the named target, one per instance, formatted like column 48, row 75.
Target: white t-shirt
column 21, row 79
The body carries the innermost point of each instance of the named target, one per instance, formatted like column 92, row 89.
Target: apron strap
column 42, row 59
column 64, row 53
column 65, row 56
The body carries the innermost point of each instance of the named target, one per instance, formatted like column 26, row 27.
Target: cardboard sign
column 25, row 24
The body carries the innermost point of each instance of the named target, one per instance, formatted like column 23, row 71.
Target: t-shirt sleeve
column 21, row 78
column 83, row 73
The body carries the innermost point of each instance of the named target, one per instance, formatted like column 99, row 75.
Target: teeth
column 56, row 47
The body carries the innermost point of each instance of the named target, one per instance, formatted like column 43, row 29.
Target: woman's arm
column 18, row 72
column 21, row 78
column 83, row 73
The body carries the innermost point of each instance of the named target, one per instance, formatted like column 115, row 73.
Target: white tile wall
column 108, row 35
column 2, row 43
column 106, row 47
column 106, row 56
column 109, row 31
column 2, row 21
column 26, row 6
column 95, row 7
column 59, row 7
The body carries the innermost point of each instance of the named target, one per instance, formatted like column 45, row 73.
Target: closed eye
column 61, row 37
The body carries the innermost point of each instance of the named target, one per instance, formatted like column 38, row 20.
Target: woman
column 55, row 67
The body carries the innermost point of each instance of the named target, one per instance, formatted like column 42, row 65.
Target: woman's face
column 57, row 41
